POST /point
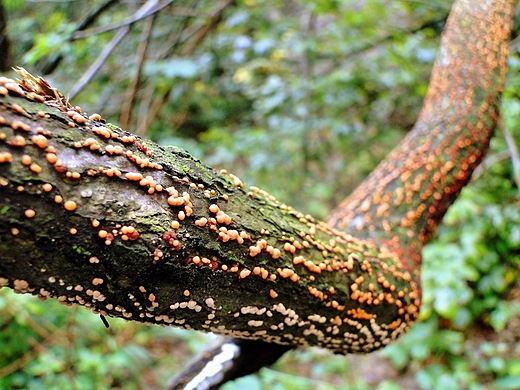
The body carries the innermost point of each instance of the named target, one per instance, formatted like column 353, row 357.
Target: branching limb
column 226, row 360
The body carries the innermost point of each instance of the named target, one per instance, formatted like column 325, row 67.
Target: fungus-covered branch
column 95, row 216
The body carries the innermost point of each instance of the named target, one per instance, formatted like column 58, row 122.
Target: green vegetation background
column 301, row 98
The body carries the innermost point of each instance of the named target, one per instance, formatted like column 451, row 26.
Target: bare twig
column 55, row 60
column 307, row 69
column 49, row 333
column 203, row 30
column 144, row 108
column 489, row 161
column 198, row 37
column 129, row 97
column 174, row 40
column 513, row 151
column 90, row 19
column 92, row 70
column 131, row 20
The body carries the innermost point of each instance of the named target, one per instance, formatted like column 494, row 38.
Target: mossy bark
column 95, row 216
column 98, row 217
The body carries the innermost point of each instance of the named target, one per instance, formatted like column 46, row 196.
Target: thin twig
column 131, row 20
column 207, row 27
column 129, row 97
column 513, row 151
column 50, row 336
column 488, row 162
column 144, row 109
column 90, row 19
column 307, row 25
column 198, row 37
column 93, row 69
column 174, row 40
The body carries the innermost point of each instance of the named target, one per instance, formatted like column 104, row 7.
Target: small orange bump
column 134, row 176
column 17, row 141
column 35, row 168
column 70, row 205
column 26, row 160
column 6, row 157
column 39, row 140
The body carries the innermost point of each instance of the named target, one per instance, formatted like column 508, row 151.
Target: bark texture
column 96, row 216
column 92, row 215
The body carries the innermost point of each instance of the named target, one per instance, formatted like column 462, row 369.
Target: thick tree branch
column 95, row 216
column 129, row 229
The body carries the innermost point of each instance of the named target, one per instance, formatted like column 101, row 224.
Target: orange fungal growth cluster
column 91, row 143
column 226, row 235
column 142, row 162
column 103, row 132
column 77, row 117
column 359, row 296
column 6, row 157
column 204, row 261
column 134, row 176
column 17, row 141
column 263, row 245
column 19, row 125
column 129, row 233
column 171, row 239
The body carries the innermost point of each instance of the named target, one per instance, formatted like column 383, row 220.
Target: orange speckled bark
column 407, row 195
column 95, row 216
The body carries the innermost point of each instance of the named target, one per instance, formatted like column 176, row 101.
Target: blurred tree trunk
column 5, row 56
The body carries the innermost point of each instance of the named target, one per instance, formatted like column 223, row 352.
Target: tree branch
column 131, row 20
column 513, row 152
column 95, row 216
column 132, row 230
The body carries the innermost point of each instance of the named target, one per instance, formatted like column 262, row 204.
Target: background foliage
column 301, row 98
